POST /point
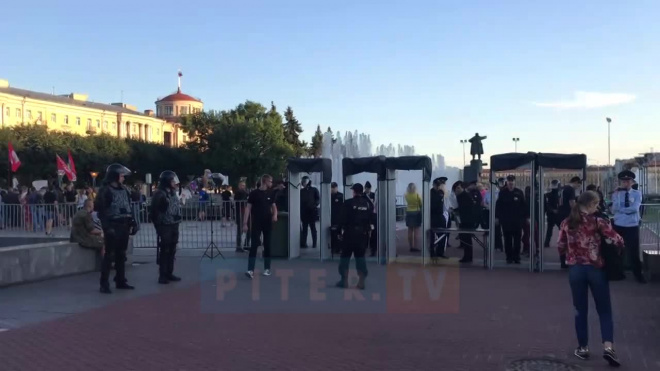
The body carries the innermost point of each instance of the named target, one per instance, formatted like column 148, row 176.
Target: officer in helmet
column 166, row 216
column 113, row 205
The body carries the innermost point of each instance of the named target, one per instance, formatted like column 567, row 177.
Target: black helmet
column 165, row 179
column 113, row 172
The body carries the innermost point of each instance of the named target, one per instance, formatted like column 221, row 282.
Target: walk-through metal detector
column 294, row 167
column 510, row 162
column 372, row 165
column 556, row 161
column 407, row 163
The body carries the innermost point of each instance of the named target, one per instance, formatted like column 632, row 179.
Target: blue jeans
column 582, row 278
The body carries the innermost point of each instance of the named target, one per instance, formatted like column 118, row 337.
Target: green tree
column 292, row 131
column 317, row 143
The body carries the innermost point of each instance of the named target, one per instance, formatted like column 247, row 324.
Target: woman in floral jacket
column 580, row 239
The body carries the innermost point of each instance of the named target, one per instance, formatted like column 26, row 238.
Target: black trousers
column 354, row 244
column 335, row 244
column 466, row 241
column 552, row 221
column 631, row 239
column 512, row 244
column 259, row 229
column 168, row 237
column 438, row 248
column 308, row 219
column 115, row 237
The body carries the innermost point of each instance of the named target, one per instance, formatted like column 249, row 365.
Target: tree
column 292, row 131
column 332, row 135
column 317, row 143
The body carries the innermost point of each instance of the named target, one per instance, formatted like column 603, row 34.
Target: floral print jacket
column 582, row 245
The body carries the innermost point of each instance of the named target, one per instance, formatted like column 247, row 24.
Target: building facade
column 73, row 113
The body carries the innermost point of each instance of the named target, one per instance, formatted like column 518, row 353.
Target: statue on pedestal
column 476, row 148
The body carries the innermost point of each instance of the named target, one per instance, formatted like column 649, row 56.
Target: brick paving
column 503, row 315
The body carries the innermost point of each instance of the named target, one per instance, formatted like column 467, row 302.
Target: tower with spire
column 178, row 104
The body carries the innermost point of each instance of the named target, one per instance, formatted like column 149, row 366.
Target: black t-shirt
column 70, row 196
column 226, row 195
column 261, row 203
column 567, row 194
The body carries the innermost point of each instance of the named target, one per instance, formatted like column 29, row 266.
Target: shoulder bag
column 612, row 258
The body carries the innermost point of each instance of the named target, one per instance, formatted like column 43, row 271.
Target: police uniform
column 336, row 204
column 357, row 221
column 511, row 212
column 470, row 212
column 439, row 219
column 626, row 203
column 166, row 216
column 551, row 206
column 118, row 222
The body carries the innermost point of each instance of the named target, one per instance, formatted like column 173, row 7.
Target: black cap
column 554, row 182
column 357, row 187
column 510, row 178
column 366, row 185
column 576, row 179
column 626, row 175
column 440, row 180
column 333, row 185
column 456, row 184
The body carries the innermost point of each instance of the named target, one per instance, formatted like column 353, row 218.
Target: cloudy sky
column 426, row 73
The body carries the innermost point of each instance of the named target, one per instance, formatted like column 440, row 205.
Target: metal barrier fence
column 202, row 222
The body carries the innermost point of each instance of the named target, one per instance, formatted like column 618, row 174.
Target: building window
column 39, row 115
column 78, row 121
column 98, row 124
column 114, row 126
column 169, row 111
column 29, row 114
column 53, row 117
column 105, row 125
column 134, row 128
column 18, row 113
column 158, row 111
column 66, row 119
column 7, row 112
column 184, row 110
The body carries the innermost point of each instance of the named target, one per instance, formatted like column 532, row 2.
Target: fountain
column 354, row 144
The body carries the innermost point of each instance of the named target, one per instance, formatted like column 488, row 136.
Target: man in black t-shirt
column 567, row 199
column 50, row 212
column 261, row 206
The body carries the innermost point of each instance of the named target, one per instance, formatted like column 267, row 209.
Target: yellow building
column 73, row 113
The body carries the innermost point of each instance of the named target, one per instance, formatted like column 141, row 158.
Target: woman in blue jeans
column 580, row 240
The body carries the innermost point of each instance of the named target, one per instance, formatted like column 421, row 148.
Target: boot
column 342, row 284
column 105, row 288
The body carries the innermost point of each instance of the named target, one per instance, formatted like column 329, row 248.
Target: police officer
column 309, row 202
column 470, row 213
column 510, row 213
column 357, row 221
column 373, row 235
column 626, row 203
column 118, row 222
column 439, row 218
column 166, row 216
column 551, row 206
column 336, row 204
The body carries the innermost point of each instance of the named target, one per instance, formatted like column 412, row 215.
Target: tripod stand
column 212, row 250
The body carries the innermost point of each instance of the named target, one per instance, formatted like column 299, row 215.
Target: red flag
column 72, row 167
column 61, row 165
column 13, row 159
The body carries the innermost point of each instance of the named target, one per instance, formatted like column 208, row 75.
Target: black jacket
column 309, row 198
column 437, row 207
column 511, row 209
column 469, row 208
column 337, row 202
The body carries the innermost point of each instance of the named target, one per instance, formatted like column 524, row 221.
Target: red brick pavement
column 504, row 315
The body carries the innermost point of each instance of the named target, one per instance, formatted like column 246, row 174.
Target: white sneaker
column 249, row 274
column 266, row 272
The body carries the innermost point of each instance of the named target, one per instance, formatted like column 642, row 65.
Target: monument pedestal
column 472, row 173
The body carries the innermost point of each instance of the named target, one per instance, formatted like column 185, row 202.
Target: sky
column 424, row 73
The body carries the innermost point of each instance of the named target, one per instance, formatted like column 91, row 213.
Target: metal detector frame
column 293, row 189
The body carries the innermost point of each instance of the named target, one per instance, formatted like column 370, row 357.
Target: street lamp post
column 94, row 174
column 515, row 143
column 463, row 141
column 609, row 159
